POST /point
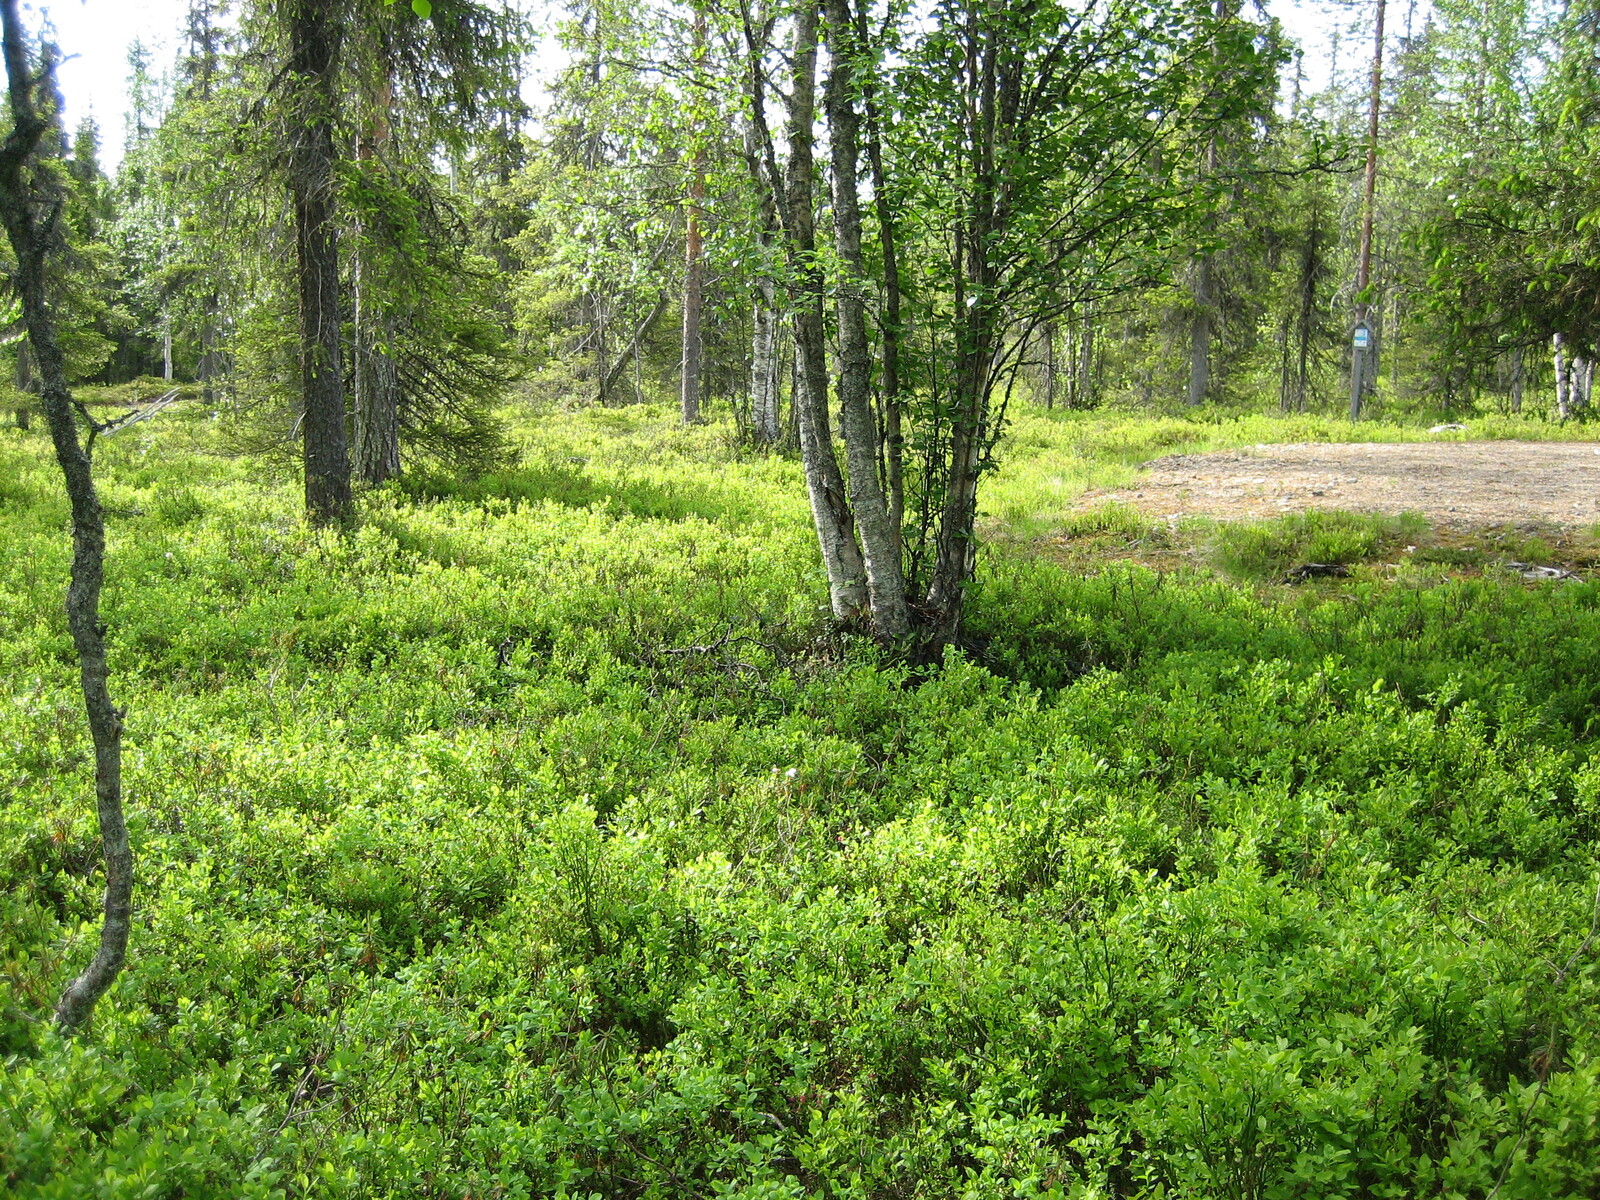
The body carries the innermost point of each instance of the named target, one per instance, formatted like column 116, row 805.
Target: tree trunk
column 1049, row 367
column 894, row 442
column 694, row 256
column 1558, row 351
column 1085, row 365
column 377, row 375
column 879, row 541
column 830, row 511
column 377, row 386
column 314, row 41
column 166, row 348
column 1200, row 328
column 977, row 323
column 1516, row 380
column 764, row 366
column 29, row 220
column 1363, row 361
column 207, row 366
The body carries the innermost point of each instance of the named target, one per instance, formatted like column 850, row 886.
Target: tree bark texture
column 30, row 221
column 1200, row 326
column 377, row 381
column 994, row 93
column 862, row 443
column 764, row 366
column 694, row 266
column 830, row 510
column 314, row 44
column 1558, row 352
column 894, row 442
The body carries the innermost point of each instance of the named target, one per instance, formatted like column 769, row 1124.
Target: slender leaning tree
column 31, row 205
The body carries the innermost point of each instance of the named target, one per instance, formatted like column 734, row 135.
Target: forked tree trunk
column 830, row 511
column 314, row 41
column 879, row 541
column 29, row 218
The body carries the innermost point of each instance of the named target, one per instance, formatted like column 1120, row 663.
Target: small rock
column 1447, row 429
column 1307, row 571
column 1531, row 571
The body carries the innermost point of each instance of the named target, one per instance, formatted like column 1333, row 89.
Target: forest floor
column 1455, row 485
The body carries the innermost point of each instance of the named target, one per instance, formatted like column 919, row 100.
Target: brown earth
column 1457, row 486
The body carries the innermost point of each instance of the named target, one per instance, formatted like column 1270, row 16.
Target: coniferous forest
column 586, row 611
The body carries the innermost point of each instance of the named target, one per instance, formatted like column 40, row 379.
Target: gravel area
column 1460, row 485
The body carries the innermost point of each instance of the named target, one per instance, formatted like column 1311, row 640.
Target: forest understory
column 816, row 598
column 537, row 838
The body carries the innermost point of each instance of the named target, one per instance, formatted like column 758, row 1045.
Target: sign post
column 1360, row 356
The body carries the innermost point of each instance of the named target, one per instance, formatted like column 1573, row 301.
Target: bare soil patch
column 1457, row 486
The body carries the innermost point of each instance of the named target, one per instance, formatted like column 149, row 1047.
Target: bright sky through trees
column 96, row 34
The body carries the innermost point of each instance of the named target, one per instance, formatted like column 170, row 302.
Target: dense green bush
column 540, row 839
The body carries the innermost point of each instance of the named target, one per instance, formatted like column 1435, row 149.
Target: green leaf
column 422, row 8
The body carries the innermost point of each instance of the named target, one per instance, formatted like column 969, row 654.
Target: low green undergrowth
column 1267, row 549
column 541, row 839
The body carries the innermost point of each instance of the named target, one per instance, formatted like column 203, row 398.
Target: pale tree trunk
column 314, row 43
column 1558, row 351
column 1085, row 364
column 166, row 348
column 764, row 366
column 1516, row 380
column 894, row 442
column 1582, row 376
column 879, row 541
column 29, row 219
column 694, row 267
column 830, row 510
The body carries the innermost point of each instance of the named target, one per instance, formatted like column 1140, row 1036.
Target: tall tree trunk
column 1200, row 331
column 694, row 268
column 894, row 442
column 166, row 347
column 314, row 45
column 1202, row 323
column 879, row 540
column 29, row 219
column 377, row 375
column 1364, row 358
column 830, row 510
column 977, row 322
column 1516, row 380
column 1310, row 270
column 1085, row 366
